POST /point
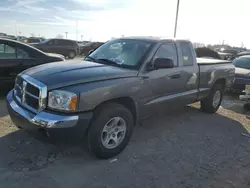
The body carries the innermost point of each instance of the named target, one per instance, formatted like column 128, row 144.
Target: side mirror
column 163, row 63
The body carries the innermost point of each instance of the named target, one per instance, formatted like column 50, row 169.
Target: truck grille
column 30, row 93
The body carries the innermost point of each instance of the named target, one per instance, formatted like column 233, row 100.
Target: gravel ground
column 185, row 148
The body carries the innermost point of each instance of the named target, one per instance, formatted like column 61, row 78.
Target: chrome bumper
column 42, row 119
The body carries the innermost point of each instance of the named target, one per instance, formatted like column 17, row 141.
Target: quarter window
column 186, row 52
column 7, row 52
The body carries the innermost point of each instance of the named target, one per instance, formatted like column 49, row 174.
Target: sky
column 205, row 21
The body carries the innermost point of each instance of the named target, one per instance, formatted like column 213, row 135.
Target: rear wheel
column 247, row 106
column 212, row 103
column 72, row 55
column 110, row 130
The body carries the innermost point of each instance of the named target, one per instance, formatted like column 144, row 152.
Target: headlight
column 62, row 100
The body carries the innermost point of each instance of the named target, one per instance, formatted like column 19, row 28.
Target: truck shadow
column 3, row 93
column 231, row 102
column 3, row 109
column 164, row 137
column 21, row 151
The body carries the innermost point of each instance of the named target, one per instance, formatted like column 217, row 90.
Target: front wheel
column 72, row 55
column 110, row 130
column 212, row 103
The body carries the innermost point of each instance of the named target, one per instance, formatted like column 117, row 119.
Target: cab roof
column 152, row 38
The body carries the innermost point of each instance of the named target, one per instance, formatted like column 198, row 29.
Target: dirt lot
column 185, row 148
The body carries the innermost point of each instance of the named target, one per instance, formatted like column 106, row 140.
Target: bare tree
column 32, row 35
column 59, row 36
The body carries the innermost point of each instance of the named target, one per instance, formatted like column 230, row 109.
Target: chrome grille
column 30, row 93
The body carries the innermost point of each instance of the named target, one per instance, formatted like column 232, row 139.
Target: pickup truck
column 123, row 81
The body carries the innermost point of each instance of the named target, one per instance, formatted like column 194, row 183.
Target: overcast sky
column 208, row 21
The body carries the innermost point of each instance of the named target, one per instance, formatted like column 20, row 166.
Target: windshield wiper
column 108, row 61
column 91, row 58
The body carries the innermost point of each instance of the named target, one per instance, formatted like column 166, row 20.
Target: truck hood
column 67, row 73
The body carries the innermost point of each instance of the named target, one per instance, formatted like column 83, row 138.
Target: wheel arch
column 221, row 81
column 127, row 102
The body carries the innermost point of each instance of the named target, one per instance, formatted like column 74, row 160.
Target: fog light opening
column 44, row 132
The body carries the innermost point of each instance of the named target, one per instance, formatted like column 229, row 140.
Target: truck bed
column 208, row 61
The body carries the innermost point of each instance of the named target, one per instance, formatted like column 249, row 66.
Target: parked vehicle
column 12, row 37
column 20, row 38
column 32, row 40
column 85, row 49
column 82, row 46
column 3, row 34
column 242, row 73
column 82, row 43
column 118, row 84
column 68, row 48
column 243, row 53
column 15, row 57
column 206, row 52
column 226, row 56
column 233, row 52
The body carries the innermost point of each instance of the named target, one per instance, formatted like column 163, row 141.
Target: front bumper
column 56, row 126
column 244, row 81
column 240, row 84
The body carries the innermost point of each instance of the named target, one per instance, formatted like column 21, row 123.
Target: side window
column 51, row 42
column 56, row 42
column 2, row 48
column 186, row 53
column 9, row 49
column 62, row 42
column 21, row 54
column 167, row 50
column 7, row 52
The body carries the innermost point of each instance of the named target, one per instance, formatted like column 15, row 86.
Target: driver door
column 163, row 87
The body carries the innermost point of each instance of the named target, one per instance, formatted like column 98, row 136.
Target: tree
column 59, row 36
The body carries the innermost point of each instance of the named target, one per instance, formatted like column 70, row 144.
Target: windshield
column 45, row 41
column 127, row 53
column 242, row 63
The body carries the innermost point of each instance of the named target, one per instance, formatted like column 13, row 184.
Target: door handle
column 175, row 76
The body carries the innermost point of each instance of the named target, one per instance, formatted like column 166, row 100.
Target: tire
column 72, row 55
column 104, row 118
column 247, row 106
column 208, row 104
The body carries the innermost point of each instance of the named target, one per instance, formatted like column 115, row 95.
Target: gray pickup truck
column 125, row 80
